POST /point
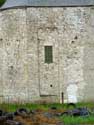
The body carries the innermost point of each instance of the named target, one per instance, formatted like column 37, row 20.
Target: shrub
column 2, row 2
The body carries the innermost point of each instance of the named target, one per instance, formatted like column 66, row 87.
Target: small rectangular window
column 48, row 54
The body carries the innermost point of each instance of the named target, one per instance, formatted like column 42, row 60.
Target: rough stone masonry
column 24, row 34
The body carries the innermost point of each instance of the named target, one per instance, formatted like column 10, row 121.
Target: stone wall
column 25, row 32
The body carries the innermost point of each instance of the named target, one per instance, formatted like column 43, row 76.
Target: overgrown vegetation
column 66, row 119
column 12, row 107
column 2, row 2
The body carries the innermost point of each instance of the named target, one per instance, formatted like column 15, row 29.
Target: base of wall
column 39, row 100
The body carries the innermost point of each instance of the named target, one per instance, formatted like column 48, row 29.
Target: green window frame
column 48, row 54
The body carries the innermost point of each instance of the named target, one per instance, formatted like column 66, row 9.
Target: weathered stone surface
column 25, row 32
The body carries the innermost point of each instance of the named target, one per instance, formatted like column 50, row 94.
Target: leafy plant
column 2, row 2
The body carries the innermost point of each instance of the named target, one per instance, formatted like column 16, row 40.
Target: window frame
column 48, row 49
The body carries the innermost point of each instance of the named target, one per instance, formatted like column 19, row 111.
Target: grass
column 68, row 120
column 77, row 120
column 13, row 107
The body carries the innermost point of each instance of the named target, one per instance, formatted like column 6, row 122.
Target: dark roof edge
column 21, row 7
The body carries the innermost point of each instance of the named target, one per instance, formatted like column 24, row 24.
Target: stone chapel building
column 47, row 50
